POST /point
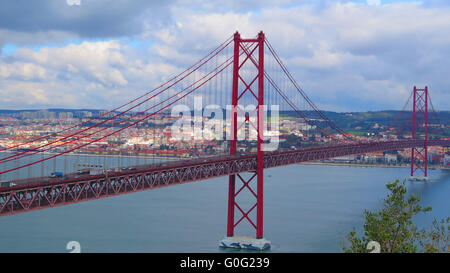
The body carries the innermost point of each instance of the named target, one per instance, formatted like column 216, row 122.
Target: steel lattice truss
column 419, row 155
column 254, row 87
column 25, row 198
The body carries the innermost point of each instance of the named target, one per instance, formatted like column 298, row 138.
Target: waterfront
column 308, row 208
column 70, row 163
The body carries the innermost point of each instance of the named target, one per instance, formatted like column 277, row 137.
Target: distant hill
column 352, row 122
column 361, row 122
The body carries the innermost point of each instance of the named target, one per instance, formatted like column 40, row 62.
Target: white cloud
column 374, row 2
column 372, row 55
column 352, row 56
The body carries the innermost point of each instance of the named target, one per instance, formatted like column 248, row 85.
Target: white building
column 346, row 159
column 390, row 158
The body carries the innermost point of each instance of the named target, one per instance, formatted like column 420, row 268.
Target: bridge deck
column 23, row 198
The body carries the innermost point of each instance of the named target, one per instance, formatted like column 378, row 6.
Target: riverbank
column 159, row 157
column 434, row 167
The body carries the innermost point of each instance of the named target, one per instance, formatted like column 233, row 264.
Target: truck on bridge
column 96, row 171
column 7, row 184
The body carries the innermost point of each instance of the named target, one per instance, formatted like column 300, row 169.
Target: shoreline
column 406, row 166
column 174, row 158
column 109, row 155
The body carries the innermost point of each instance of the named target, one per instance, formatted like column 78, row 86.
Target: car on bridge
column 57, row 175
column 7, row 184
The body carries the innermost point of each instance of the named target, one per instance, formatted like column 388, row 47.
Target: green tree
column 437, row 238
column 392, row 226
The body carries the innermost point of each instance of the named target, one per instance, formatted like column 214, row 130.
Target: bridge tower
column 419, row 155
column 247, row 51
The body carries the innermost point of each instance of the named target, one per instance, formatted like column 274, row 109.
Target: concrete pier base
column 245, row 242
column 418, row 178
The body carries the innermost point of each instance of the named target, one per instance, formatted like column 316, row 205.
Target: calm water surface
column 308, row 208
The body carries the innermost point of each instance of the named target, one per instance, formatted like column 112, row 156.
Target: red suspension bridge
column 247, row 75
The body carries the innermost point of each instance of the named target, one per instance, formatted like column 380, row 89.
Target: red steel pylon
column 419, row 155
column 247, row 48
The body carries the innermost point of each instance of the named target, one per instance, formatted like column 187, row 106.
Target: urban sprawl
column 28, row 130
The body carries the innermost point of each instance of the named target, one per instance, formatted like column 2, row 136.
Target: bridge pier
column 245, row 242
column 419, row 155
column 247, row 48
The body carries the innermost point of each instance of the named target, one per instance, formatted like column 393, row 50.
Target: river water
column 308, row 208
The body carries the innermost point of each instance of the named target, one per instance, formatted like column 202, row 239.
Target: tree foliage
column 392, row 226
column 437, row 238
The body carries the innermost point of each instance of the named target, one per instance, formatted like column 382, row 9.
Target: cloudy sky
column 347, row 55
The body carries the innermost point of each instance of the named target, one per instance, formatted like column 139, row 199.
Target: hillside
column 374, row 121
